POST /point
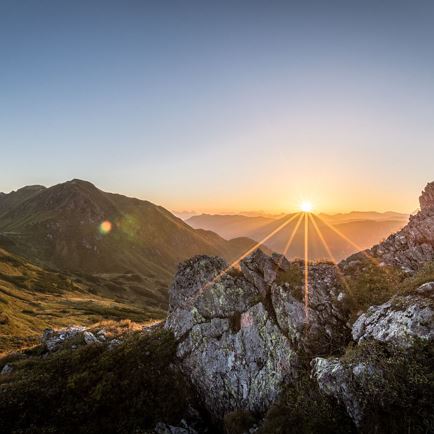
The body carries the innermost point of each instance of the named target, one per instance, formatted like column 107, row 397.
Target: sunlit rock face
column 241, row 335
column 413, row 246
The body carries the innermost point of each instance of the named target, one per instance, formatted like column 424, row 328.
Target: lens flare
column 105, row 227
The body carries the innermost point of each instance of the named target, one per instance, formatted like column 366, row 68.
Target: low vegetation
column 303, row 409
column 370, row 284
column 93, row 389
column 399, row 395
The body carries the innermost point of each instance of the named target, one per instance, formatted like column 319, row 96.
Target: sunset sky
column 221, row 106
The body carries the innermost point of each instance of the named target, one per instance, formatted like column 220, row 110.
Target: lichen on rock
column 241, row 335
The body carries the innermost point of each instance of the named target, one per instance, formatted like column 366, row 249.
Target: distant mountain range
column 363, row 228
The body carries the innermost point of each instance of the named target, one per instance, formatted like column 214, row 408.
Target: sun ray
column 348, row 240
column 329, row 252
column 292, row 236
column 251, row 250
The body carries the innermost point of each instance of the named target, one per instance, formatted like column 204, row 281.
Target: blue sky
column 221, row 105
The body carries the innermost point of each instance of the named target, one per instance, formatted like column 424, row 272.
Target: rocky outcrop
column 400, row 323
column 76, row 336
column 426, row 200
column 342, row 381
column 241, row 335
column 413, row 246
column 54, row 339
column 401, row 320
column 322, row 327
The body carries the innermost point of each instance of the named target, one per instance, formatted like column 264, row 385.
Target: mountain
column 228, row 226
column 365, row 215
column 411, row 248
column 62, row 228
column 363, row 228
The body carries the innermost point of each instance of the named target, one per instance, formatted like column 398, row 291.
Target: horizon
column 218, row 107
column 247, row 213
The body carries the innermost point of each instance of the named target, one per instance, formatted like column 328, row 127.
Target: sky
column 221, row 106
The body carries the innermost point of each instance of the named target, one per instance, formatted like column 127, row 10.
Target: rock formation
column 401, row 322
column 426, row 200
column 242, row 334
column 411, row 247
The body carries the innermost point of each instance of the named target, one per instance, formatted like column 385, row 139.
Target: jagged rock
column 114, row 343
column 261, row 269
column 400, row 320
column 7, row 369
column 89, row 338
column 410, row 248
column 234, row 340
column 397, row 324
column 426, row 288
column 339, row 380
column 322, row 326
column 53, row 339
column 426, row 200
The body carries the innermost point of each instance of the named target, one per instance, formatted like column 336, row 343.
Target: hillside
column 33, row 298
column 60, row 227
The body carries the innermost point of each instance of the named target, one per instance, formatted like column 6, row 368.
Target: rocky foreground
column 242, row 352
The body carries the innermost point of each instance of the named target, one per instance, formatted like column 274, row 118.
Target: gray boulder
column 6, row 370
column 235, row 341
column 343, row 381
column 89, row 338
column 397, row 324
column 53, row 339
column 322, row 326
column 400, row 320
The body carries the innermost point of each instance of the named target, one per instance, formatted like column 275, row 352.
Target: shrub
column 424, row 275
column 371, row 284
column 238, row 422
column 304, row 409
column 398, row 394
column 92, row 389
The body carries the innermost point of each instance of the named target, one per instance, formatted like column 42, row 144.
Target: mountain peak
column 35, row 187
column 79, row 183
column 426, row 200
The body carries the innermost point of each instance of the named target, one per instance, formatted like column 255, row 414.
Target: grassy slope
column 33, row 298
column 58, row 227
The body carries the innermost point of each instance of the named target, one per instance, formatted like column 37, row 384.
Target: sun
column 306, row 206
